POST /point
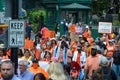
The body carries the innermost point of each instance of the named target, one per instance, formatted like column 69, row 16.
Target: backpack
column 106, row 73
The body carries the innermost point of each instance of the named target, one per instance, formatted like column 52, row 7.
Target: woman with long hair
column 39, row 76
column 56, row 71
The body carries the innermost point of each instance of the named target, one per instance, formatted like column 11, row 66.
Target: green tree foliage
column 98, row 6
column 34, row 18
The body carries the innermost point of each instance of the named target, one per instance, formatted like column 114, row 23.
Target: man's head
column 79, row 49
column 93, row 51
column 23, row 65
column 35, row 64
column 103, row 61
column 7, row 70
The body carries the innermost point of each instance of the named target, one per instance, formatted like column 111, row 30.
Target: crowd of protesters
column 73, row 56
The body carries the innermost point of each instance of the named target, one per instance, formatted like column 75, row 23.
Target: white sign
column 2, row 14
column 16, row 33
column 5, row 20
column 105, row 27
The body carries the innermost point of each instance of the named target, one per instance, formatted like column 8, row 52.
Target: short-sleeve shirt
column 92, row 63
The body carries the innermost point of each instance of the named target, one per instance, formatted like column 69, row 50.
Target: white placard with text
column 16, row 33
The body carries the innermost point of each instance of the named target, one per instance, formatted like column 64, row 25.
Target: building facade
column 58, row 10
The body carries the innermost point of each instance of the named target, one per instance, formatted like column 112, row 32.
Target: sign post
column 15, row 39
column 16, row 33
column 12, row 10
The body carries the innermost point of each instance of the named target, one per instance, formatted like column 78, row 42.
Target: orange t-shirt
column 92, row 63
column 47, row 34
column 90, row 40
column 110, row 50
column 8, row 52
column 0, row 76
column 37, row 54
column 86, row 34
column 28, row 44
column 39, row 70
column 72, row 28
column 78, row 58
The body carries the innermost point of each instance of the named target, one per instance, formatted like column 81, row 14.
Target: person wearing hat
column 80, row 38
column 107, row 72
column 35, row 68
column 79, row 56
column 87, row 32
column 110, row 48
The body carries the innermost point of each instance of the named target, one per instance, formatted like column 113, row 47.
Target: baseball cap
column 103, row 60
column 87, row 26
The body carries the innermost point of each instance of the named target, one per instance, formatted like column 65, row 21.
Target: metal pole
column 15, row 15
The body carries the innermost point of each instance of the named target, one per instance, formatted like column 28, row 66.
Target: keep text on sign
column 16, row 33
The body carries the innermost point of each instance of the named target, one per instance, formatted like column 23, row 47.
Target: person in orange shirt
column 36, row 53
column 73, row 48
column 92, row 63
column 3, row 55
column 73, row 45
column 87, row 32
column 36, row 69
column 110, row 48
column 45, row 31
column 29, row 44
column 90, row 39
column 89, row 48
column 0, row 76
column 48, row 46
column 72, row 30
column 8, row 52
column 79, row 56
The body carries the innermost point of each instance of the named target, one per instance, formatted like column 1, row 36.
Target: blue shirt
column 13, row 78
column 26, row 75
